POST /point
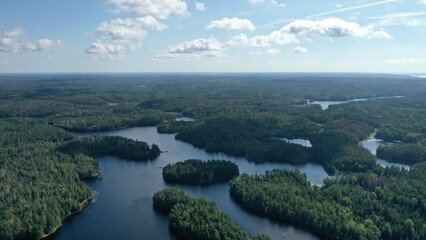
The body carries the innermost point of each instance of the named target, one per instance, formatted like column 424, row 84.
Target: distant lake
column 325, row 104
column 185, row 119
column 302, row 142
column 123, row 207
column 373, row 144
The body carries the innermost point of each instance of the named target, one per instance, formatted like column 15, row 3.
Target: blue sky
column 213, row 36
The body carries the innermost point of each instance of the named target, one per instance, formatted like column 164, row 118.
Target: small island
column 185, row 220
column 199, row 172
column 98, row 146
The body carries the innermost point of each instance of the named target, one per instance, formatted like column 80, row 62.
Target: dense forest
column 98, row 146
column 198, row 219
column 43, row 164
column 197, row 171
column 410, row 153
column 368, row 206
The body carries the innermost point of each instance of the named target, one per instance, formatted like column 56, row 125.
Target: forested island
column 198, row 219
column 43, row 164
column 98, row 146
column 199, row 172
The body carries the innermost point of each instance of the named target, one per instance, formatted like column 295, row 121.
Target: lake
column 325, row 104
column 372, row 145
column 123, row 206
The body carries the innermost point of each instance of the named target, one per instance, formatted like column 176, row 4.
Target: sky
column 387, row 36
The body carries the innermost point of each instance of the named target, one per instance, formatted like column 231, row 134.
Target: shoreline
column 371, row 136
column 83, row 205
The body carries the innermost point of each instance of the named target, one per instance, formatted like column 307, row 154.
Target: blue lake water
column 123, row 207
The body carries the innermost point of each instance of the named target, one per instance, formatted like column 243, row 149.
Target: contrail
column 353, row 8
column 331, row 12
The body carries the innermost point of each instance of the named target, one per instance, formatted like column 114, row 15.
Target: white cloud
column 158, row 8
column 200, row 6
column 194, row 49
column 273, row 51
column 406, row 60
column 128, row 29
column 381, row 35
column 106, row 49
column 232, row 24
column 273, row 2
column 338, row 5
column 278, row 4
column 274, row 38
column 421, row 2
column 119, row 34
column 300, row 50
column 254, row 2
column 15, row 41
column 330, row 27
column 412, row 19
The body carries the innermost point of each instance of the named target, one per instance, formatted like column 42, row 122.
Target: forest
column 43, row 164
column 198, row 219
column 199, row 172
column 99, row 146
column 388, row 205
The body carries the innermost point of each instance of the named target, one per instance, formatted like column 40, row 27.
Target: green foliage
column 38, row 185
column 403, row 153
column 97, row 146
column 198, row 219
column 197, row 171
column 358, row 206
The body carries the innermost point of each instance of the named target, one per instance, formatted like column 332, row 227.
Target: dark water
column 123, row 207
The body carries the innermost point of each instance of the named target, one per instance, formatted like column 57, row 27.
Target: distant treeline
column 253, row 137
column 197, row 171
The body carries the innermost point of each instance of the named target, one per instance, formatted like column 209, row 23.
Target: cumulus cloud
column 232, row 24
column 200, row 6
column 158, row 8
column 381, row 35
column 273, row 51
column 15, row 41
column 106, row 49
column 274, row 38
column 119, row 34
column 193, row 49
column 330, row 27
column 300, row 50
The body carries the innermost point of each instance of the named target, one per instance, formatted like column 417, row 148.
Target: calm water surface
column 123, row 207
column 372, row 145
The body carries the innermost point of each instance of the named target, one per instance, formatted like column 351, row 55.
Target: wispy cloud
column 340, row 9
column 406, row 60
column 411, row 19
column 353, row 8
